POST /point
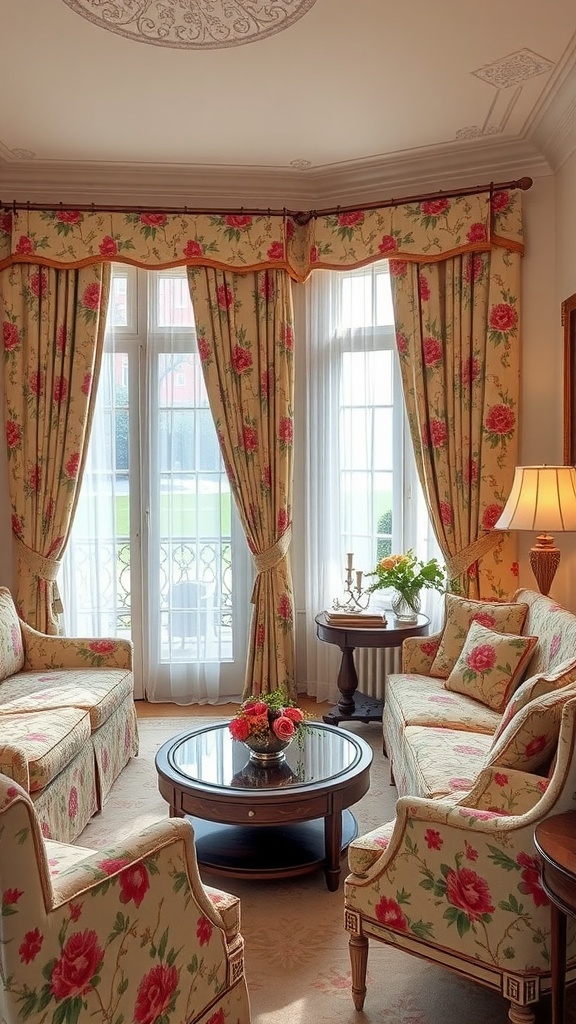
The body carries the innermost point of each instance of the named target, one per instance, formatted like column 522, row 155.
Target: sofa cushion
column 440, row 761
column 11, row 646
column 35, row 748
column 420, row 700
column 536, row 686
column 460, row 612
column 529, row 741
column 99, row 691
column 490, row 665
column 555, row 628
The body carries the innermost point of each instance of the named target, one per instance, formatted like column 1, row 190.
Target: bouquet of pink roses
column 269, row 713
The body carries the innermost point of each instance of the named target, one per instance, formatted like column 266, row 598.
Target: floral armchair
column 129, row 933
column 456, row 880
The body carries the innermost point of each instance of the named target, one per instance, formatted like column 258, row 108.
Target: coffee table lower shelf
column 266, row 851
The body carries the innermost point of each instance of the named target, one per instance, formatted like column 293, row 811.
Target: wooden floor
column 144, row 709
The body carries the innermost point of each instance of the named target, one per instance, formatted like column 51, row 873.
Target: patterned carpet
column 297, row 963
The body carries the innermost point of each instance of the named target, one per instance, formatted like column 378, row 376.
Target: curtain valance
column 424, row 231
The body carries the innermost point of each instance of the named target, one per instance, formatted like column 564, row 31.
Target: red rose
column 204, row 350
column 287, row 336
column 6, row 223
column 36, row 383
column 239, row 729
column 217, row 1018
column 61, row 338
column 13, row 434
column 102, row 646
column 285, row 608
column 283, row 727
column 80, row 960
column 398, row 268
column 250, row 439
column 286, row 430
column 424, row 287
column 429, row 647
column 25, row 245
column 491, row 515
column 153, row 220
column 260, row 635
column 282, row 520
column 535, row 746
column 39, row 284
column 134, row 884
column 267, row 287
column 531, row 883
column 432, row 351
column 473, row 267
column 434, row 207
column 204, row 930
column 155, row 992
column 500, row 778
column 255, row 707
column 294, row 714
column 484, row 618
column 482, row 658
column 241, row 359
column 433, row 839
column 351, row 218
column 69, row 216
column 193, row 249
column 476, row 233
column 60, row 392
column 401, row 343
column 503, row 317
column 31, row 946
column 225, row 296
column 470, row 371
column 388, row 244
column 446, row 513
column 108, row 246
column 276, row 251
column 500, row 419
column 290, row 228
column 500, row 201
column 389, row 913
column 11, row 896
column 466, row 890
column 86, row 384
column 438, row 433
column 10, row 335
column 17, row 526
column 91, row 297
column 314, row 254
column 34, row 477
column 515, row 569
column 238, row 221
column 71, row 467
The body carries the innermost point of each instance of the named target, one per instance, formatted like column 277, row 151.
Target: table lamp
column 542, row 498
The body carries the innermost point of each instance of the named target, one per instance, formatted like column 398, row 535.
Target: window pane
column 174, row 304
column 118, row 311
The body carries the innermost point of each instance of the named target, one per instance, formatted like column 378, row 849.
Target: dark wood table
column 353, row 705
column 555, row 841
column 253, row 822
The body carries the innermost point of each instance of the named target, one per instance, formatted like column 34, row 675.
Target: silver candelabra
column 357, row 599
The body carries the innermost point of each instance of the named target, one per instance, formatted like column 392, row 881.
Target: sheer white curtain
column 362, row 490
column 157, row 553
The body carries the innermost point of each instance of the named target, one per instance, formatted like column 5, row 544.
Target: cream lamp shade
column 543, row 498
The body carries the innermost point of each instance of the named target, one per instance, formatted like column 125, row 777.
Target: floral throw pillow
column 490, row 665
column 536, row 686
column 11, row 646
column 530, row 739
column 460, row 612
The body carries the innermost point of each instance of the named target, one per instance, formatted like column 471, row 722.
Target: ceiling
column 299, row 103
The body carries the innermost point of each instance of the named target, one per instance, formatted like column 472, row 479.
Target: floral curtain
column 244, row 324
column 53, row 333
column 457, row 331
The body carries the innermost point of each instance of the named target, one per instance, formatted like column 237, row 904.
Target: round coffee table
column 253, row 822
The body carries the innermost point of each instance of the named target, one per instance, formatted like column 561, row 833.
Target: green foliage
column 384, row 545
column 407, row 574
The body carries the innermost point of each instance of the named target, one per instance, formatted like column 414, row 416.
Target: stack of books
column 351, row 618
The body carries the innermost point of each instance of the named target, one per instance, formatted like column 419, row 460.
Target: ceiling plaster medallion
column 301, row 165
column 23, row 154
column 515, row 68
column 192, row 24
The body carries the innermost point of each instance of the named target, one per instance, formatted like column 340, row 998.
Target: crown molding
column 455, row 164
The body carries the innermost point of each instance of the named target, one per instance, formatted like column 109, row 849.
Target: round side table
column 555, row 842
column 353, row 705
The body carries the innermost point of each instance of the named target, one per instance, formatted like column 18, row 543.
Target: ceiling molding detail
column 192, row 24
column 455, row 164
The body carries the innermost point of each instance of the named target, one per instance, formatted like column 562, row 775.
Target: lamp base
column 544, row 560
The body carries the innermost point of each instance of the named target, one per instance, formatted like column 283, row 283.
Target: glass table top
column 210, row 756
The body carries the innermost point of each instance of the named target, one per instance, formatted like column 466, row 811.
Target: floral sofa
column 129, row 933
column 67, row 719
column 454, row 878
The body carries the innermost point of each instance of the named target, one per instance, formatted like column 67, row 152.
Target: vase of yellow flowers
column 407, row 576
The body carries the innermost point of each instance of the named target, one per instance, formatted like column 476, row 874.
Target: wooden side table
column 353, row 705
column 555, row 841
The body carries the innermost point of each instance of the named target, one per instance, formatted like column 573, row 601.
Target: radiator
column 373, row 665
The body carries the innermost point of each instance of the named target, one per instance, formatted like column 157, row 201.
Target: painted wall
column 548, row 276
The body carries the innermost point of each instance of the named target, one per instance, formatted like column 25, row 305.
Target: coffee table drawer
column 253, row 812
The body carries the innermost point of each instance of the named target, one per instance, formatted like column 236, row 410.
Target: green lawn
column 180, row 515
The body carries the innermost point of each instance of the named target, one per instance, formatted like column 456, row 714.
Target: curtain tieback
column 271, row 557
column 42, row 567
column 458, row 563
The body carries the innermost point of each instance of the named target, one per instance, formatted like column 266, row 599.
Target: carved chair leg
column 522, row 1014
column 358, row 946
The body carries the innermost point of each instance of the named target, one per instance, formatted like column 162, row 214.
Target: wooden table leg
column 333, row 845
column 347, row 681
column 558, row 965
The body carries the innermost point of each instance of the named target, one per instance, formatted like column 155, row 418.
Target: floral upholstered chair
column 127, row 934
column 456, row 880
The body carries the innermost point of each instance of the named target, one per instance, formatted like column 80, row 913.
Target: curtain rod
column 300, row 216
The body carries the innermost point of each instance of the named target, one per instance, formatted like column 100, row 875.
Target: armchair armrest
column 43, row 651
column 505, row 791
column 418, row 653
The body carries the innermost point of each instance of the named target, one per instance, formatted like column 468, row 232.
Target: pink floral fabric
column 128, row 933
column 11, row 645
column 460, row 613
column 490, row 665
column 529, row 740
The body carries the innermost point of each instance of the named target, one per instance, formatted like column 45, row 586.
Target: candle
column 350, row 560
column 359, row 581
